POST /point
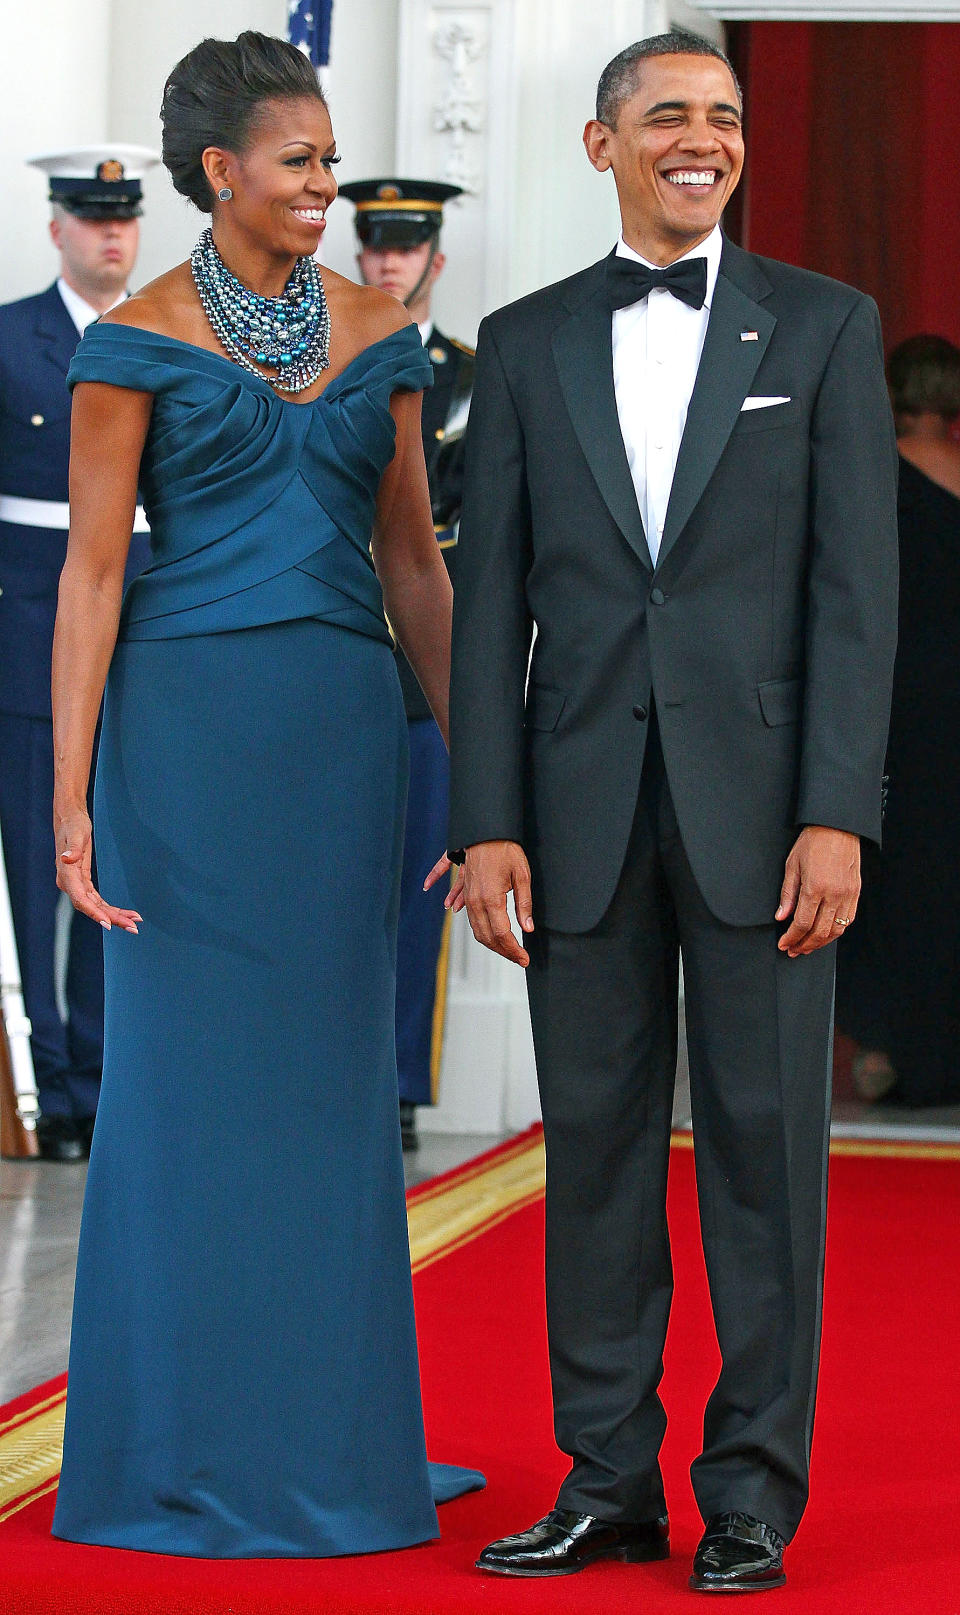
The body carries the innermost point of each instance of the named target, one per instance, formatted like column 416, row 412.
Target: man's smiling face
column 676, row 153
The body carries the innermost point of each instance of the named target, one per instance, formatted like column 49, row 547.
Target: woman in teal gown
column 243, row 1370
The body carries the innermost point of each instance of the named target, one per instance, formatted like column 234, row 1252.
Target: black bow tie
column 627, row 281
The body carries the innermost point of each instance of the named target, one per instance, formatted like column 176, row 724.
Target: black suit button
column 657, row 596
column 640, row 712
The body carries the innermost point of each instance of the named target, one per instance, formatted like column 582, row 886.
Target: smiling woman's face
column 283, row 183
column 676, row 153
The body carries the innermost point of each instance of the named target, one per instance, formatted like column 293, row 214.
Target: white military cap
column 97, row 182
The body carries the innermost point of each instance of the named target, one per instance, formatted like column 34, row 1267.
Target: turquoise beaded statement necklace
column 289, row 333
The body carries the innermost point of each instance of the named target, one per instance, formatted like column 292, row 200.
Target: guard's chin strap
column 418, row 288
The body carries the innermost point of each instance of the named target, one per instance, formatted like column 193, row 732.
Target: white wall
column 362, row 90
column 54, row 86
column 94, row 70
column 147, row 40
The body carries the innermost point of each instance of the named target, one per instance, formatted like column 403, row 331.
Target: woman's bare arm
column 416, row 589
column 108, row 431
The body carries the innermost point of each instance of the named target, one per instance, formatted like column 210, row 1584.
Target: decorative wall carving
column 459, row 112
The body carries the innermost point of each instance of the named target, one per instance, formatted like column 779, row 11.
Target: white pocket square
column 762, row 403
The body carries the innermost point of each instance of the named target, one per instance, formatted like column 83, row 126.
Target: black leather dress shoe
column 409, row 1136
column 738, row 1554
column 563, row 1542
column 60, row 1139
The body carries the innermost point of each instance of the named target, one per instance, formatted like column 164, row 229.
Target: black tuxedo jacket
column 765, row 634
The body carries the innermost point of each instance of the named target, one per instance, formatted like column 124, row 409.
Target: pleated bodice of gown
column 260, row 509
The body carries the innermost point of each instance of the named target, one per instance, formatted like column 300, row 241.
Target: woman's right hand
column 75, row 874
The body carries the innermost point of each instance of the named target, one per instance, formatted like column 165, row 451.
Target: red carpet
column 881, row 1535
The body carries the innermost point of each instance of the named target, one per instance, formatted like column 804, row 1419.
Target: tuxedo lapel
column 583, row 353
column 727, row 368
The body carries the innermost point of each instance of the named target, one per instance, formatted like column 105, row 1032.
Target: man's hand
column 491, row 869
column 821, row 888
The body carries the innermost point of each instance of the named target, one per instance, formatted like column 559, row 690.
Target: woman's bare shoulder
column 167, row 306
column 370, row 313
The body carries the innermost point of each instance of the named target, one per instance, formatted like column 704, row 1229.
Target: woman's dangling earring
column 225, row 194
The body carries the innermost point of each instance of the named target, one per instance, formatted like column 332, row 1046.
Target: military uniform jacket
column 37, row 341
column 445, row 408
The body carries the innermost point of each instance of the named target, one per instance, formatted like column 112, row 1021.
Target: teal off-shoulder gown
column 243, row 1367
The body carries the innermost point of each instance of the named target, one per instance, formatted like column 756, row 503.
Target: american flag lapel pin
column 749, row 336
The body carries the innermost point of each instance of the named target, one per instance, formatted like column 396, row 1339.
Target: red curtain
column 851, row 169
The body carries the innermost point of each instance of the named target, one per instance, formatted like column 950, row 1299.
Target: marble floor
column 40, row 1215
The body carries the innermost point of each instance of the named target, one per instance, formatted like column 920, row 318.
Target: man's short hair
column 924, row 377
column 618, row 81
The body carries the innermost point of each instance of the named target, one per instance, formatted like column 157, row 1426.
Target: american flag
column 308, row 28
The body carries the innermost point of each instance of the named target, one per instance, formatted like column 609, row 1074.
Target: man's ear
column 596, row 143
column 438, row 265
column 54, row 228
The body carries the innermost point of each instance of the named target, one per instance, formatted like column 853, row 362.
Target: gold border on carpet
column 30, row 1455
column 879, row 1148
column 446, row 1216
column 442, row 1218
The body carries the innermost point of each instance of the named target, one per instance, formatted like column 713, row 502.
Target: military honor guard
column 398, row 224
column 96, row 200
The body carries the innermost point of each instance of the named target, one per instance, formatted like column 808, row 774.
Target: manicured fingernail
column 133, row 931
column 106, row 925
column 139, row 917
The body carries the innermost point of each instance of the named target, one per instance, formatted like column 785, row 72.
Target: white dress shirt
column 657, row 345
column 80, row 311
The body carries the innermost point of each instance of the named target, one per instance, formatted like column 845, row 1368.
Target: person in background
column 398, row 225
column 897, row 978
column 96, row 196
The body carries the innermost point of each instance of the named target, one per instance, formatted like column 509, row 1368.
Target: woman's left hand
column 454, row 899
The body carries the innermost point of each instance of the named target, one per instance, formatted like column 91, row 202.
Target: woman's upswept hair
column 215, row 97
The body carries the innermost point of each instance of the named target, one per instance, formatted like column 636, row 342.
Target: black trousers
column 759, row 1032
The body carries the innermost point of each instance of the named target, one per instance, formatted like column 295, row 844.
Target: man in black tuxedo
column 681, row 472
